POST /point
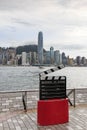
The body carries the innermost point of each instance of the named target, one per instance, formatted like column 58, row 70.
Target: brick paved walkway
column 28, row 121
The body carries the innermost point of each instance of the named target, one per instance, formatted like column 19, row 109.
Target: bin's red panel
column 51, row 112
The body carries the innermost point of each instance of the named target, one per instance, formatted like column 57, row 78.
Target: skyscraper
column 57, row 57
column 40, row 48
column 51, row 55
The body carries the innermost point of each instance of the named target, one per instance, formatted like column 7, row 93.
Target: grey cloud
column 8, row 5
column 70, row 23
column 17, row 4
column 23, row 22
column 72, row 3
column 63, row 2
column 34, row 4
column 72, row 47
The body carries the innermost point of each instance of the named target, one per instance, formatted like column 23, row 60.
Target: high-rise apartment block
column 40, row 48
column 24, row 58
column 7, row 56
column 32, row 58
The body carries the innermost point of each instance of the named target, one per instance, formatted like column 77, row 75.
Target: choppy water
column 25, row 78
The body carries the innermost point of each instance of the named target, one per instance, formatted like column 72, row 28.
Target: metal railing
column 27, row 99
column 18, row 100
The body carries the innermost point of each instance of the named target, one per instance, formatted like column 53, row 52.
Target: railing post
column 24, row 100
column 39, row 87
column 74, row 97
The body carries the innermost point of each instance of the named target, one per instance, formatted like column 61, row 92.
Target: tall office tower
column 78, row 60
column 51, row 55
column 64, row 59
column 83, row 61
column 61, row 62
column 40, row 48
column 57, row 57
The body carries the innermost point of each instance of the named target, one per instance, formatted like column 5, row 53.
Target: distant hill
column 26, row 48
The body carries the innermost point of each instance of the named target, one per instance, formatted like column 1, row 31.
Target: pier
column 14, row 117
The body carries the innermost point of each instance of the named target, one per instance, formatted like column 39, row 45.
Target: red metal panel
column 51, row 112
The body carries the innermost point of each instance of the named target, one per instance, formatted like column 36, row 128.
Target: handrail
column 19, row 91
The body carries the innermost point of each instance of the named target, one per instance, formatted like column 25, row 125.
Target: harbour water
column 25, row 78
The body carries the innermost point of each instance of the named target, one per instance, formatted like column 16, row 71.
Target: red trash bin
column 51, row 112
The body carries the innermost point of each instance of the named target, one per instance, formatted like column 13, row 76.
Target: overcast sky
column 63, row 23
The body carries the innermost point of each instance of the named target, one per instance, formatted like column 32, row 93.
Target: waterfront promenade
column 13, row 116
column 19, row 120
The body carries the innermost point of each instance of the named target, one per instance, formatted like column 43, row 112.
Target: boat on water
column 41, row 67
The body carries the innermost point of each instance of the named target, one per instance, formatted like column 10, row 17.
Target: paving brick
column 3, row 104
column 18, row 128
column 18, row 97
column 5, row 110
column 8, row 101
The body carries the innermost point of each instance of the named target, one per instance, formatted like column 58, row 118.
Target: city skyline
column 63, row 23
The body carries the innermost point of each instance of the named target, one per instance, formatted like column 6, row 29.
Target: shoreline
column 38, row 66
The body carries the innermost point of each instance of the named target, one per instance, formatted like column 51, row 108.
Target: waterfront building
column 28, row 59
column 8, row 56
column 67, row 60
column 83, row 61
column 78, row 60
column 1, row 58
column 64, row 59
column 51, row 55
column 11, row 60
column 32, row 58
column 57, row 57
column 5, row 57
column 1, row 55
column 40, row 48
column 60, row 61
column 19, row 59
column 70, row 61
column 24, row 58
column 47, row 57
